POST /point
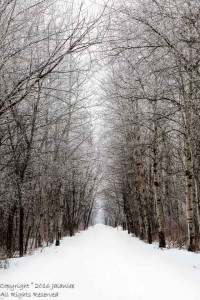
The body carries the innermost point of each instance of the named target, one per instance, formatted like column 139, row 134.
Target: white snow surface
column 108, row 264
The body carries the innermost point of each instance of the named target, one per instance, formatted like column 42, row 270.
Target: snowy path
column 107, row 264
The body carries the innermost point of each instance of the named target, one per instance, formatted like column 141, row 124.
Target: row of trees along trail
column 48, row 176
column 152, row 108
column 48, row 172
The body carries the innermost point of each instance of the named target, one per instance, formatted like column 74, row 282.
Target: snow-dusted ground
column 107, row 264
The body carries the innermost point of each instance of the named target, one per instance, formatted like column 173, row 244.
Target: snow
column 108, row 264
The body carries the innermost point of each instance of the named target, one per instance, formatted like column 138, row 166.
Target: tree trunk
column 10, row 230
column 189, row 199
column 157, row 193
column 21, row 231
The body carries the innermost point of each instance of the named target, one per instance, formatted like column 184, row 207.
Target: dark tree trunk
column 192, row 244
column 149, row 235
column 10, row 231
column 27, row 239
column 162, row 243
column 21, row 231
column 58, row 237
column 71, row 231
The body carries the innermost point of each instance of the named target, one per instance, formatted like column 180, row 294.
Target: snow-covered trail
column 108, row 264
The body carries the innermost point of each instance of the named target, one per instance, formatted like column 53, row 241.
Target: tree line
column 48, row 174
column 152, row 107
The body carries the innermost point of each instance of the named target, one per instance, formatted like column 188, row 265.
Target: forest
column 140, row 167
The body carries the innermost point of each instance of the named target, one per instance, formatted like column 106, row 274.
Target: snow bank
column 107, row 264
